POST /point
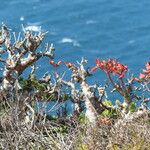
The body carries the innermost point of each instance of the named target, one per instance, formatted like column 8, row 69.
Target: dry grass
column 39, row 133
column 133, row 135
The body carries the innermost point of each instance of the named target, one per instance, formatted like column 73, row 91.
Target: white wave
column 33, row 28
column 22, row 18
column 66, row 40
column 131, row 41
column 16, row 2
column 91, row 22
column 34, row 23
column 52, row 33
column 69, row 40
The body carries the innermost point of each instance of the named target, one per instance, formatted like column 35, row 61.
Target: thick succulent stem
column 90, row 113
column 21, row 54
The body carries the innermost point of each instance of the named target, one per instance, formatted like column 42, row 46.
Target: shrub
column 96, row 123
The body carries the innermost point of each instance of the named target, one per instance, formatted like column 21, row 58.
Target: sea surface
column 91, row 29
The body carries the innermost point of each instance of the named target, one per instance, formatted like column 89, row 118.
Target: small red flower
column 69, row 65
column 147, row 66
column 93, row 69
column 55, row 64
column 142, row 76
column 98, row 62
column 121, row 76
column 147, row 71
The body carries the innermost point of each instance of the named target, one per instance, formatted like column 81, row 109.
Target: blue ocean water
column 86, row 28
column 89, row 28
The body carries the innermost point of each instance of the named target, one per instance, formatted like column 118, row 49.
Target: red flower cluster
column 111, row 66
column 145, row 75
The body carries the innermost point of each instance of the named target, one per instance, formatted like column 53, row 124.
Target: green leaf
column 107, row 103
column 108, row 112
column 132, row 107
column 83, row 119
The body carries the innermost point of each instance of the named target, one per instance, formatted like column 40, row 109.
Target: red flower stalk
column 55, row 64
column 69, row 65
column 111, row 66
